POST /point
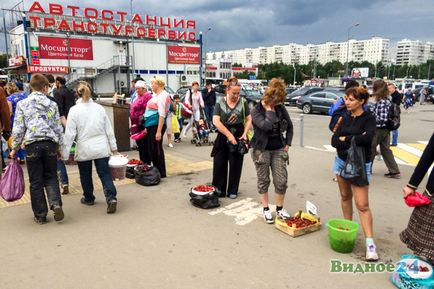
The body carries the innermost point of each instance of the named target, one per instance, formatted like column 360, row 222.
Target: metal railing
column 105, row 67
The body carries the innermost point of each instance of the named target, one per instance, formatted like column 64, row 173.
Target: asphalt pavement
column 157, row 239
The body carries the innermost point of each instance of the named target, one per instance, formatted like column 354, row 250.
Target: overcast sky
column 253, row 23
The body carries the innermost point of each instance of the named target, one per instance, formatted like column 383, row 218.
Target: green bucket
column 342, row 234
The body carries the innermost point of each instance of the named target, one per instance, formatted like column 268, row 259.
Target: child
column 202, row 130
column 180, row 107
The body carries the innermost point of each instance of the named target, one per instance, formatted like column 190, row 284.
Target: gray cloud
column 253, row 23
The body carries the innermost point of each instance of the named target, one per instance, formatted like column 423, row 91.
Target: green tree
column 3, row 61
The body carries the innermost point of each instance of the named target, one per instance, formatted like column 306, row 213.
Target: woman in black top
column 270, row 149
column 419, row 235
column 233, row 121
column 360, row 125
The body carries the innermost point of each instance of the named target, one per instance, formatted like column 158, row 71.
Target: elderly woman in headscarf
column 137, row 110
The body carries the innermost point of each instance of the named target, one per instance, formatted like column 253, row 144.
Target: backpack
column 186, row 114
column 393, row 117
column 172, row 105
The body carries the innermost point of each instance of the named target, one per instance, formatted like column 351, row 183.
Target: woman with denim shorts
column 271, row 122
column 360, row 125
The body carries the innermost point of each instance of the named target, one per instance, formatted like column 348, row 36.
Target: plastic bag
column 146, row 175
column 12, row 183
column 175, row 125
column 354, row 169
column 416, row 200
column 206, row 201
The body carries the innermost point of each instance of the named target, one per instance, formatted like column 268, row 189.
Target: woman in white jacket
column 90, row 126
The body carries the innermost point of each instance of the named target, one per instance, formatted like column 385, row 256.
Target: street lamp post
column 201, row 58
column 133, row 64
column 69, row 52
column 348, row 46
column 295, row 73
column 204, row 48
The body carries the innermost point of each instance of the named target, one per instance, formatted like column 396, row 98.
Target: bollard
column 301, row 129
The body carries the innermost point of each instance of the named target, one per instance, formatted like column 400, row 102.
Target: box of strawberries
column 299, row 224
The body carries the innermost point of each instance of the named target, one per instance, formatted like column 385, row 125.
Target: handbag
column 250, row 132
column 354, row 169
column 140, row 134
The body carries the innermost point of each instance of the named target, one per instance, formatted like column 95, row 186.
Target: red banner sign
column 58, row 48
column 184, row 54
column 47, row 69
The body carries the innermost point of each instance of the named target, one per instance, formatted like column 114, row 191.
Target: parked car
column 251, row 95
column 291, row 99
column 319, row 101
column 290, row 90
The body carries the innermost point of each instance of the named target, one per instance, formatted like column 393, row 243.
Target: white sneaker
column 268, row 217
column 371, row 253
column 171, row 145
column 283, row 214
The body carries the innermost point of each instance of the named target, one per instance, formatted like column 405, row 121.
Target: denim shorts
column 339, row 165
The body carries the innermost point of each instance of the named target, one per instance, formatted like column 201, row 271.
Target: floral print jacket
column 36, row 119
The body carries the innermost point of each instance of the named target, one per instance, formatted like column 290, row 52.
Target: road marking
column 405, row 156
column 330, row 148
column 410, row 149
column 419, row 146
column 423, row 142
column 243, row 211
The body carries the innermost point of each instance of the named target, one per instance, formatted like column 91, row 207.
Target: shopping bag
column 354, row 169
column 175, row 125
column 12, row 182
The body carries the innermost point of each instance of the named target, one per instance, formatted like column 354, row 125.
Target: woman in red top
column 137, row 109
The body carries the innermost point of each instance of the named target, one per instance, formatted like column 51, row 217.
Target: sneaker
column 371, row 253
column 268, row 217
column 232, row 196
column 65, row 189
column 171, row 145
column 283, row 214
column 177, row 140
column 393, row 175
column 111, row 208
column 40, row 220
column 58, row 213
column 84, row 202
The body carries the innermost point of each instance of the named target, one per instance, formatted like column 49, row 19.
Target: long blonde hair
column 84, row 91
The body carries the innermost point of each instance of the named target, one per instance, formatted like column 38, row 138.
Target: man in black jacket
column 65, row 99
column 396, row 99
column 209, row 99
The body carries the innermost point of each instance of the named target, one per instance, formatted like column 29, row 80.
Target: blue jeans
column 340, row 163
column 395, row 137
column 209, row 111
column 61, row 171
column 102, row 168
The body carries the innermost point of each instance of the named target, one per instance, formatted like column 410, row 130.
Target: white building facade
column 372, row 50
column 414, row 52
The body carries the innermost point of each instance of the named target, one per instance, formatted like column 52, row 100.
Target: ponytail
column 83, row 91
